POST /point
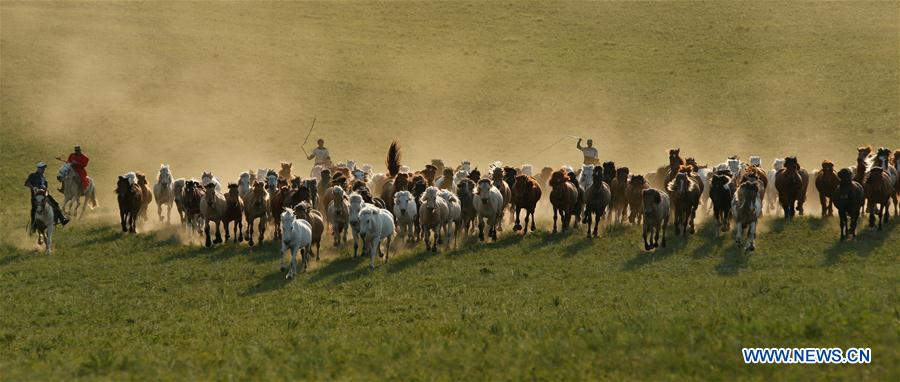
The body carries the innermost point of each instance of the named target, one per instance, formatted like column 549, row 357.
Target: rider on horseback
column 36, row 181
column 79, row 162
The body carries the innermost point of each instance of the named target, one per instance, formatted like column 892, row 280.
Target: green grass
column 225, row 87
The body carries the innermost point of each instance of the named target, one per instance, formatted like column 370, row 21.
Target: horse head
column 828, row 166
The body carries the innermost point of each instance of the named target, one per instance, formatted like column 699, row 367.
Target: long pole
column 309, row 132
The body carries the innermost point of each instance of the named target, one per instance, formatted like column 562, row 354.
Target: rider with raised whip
column 36, row 181
column 591, row 155
column 79, row 162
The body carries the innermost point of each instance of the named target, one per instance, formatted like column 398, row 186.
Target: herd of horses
column 438, row 204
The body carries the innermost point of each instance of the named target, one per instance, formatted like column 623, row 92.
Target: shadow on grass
column 272, row 281
column 711, row 239
column 863, row 245
column 733, row 261
column 673, row 244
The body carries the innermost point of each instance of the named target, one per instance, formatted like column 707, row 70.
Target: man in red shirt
column 79, row 162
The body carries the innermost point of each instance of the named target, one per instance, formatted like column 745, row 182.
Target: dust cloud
column 234, row 87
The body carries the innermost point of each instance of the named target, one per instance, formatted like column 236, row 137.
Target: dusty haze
column 233, row 86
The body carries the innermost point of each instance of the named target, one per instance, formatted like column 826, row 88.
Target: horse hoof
column 283, row 269
column 647, row 247
column 517, row 228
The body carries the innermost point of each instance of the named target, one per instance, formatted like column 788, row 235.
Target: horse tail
column 393, row 159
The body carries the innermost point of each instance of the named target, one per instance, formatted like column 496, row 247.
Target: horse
column 376, row 225
column 434, row 214
column 465, row 191
column 445, row 181
column 213, row 208
column 146, row 195
column 208, row 178
column 827, row 183
column 609, row 172
column 454, row 214
column 276, row 204
column 234, row 213
column 164, row 189
column 316, row 222
column 862, row 163
column 791, row 183
column 636, row 187
column 563, row 198
column 357, row 203
column 746, row 209
column 285, row 172
column 656, row 217
column 665, row 174
column 598, row 197
column 878, row 191
column 178, row 189
column 256, row 206
column 406, row 213
column 771, row 191
column 129, row 196
column 896, row 165
column 338, row 213
column 193, row 193
column 586, row 178
column 618, row 198
column 848, row 198
column 297, row 236
column 526, row 195
column 883, row 159
column 579, row 201
column 44, row 221
column 685, row 190
column 722, row 192
column 245, row 183
column 73, row 191
column 499, row 181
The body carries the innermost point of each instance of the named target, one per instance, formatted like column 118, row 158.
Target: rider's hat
column 41, row 165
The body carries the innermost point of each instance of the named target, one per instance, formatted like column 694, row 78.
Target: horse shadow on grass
column 273, row 281
column 733, row 260
column 712, row 239
column 673, row 244
column 863, row 245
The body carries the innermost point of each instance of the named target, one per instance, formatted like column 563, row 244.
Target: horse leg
column 738, row 232
column 293, row 270
column 480, row 228
column 206, row 233
column 531, row 213
column 597, row 225
column 250, row 231
column 516, row 226
column 554, row 219
column 587, row 222
column 647, row 245
column 693, row 216
column 751, row 236
column 227, row 231
column 240, row 230
column 218, row 233
column 870, row 207
column 842, row 216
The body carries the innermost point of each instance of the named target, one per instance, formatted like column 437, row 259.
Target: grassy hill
column 228, row 87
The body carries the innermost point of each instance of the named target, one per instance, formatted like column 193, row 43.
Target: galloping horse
column 74, row 191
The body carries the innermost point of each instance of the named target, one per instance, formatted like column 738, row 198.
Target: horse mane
column 393, row 159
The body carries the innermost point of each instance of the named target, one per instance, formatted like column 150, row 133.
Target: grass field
column 233, row 86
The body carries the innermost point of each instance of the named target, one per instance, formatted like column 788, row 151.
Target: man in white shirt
column 321, row 155
column 591, row 155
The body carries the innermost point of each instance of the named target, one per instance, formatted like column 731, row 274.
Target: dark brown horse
column 563, row 197
column 234, row 213
column 146, row 195
column 597, row 199
column 130, row 200
column 878, row 191
column 848, row 198
column 791, row 183
column 256, row 206
column 465, row 191
column 618, row 193
column 193, row 192
column 665, row 174
column 526, row 194
column 685, row 190
column 633, row 193
column 276, row 207
column 827, row 183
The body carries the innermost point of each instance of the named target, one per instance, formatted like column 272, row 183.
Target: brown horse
column 636, row 187
column 791, row 183
column 827, row 184
column 130, row 200
column 234, row 213
column 276, row 207
column 465, row 191
column 563, row 197
column 146, row 195
column 878, row 191
column 285, row 172
column 193, row 193
column 665, row 174
column 597, row 198
column 685, row 190
column 619, row 196
column 848, row 198
column 859, row 171
column 526, row 194
column 305, row 211
column 256, row 206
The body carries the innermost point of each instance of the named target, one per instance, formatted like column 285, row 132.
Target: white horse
column 746, row 209
column 44, row 221
column 454, row 208
column 73, row 191
column 772, row 193
column 586, row 179
column 489, row 205
column 406, row 212
column 296, row 235
column 208, row 178
column 164, row 190
column 356, row 205
column 244, row 184
column 376, row 225
column 527, row 169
